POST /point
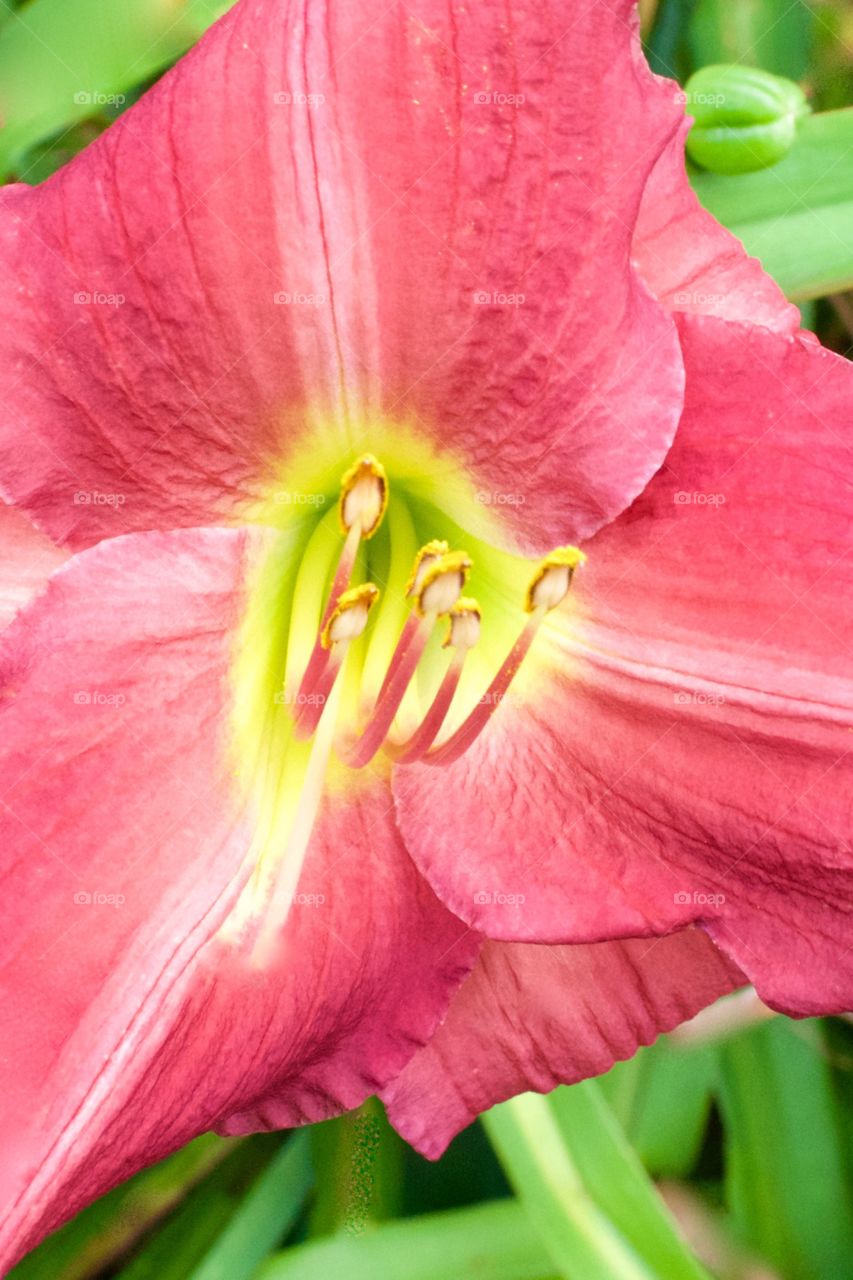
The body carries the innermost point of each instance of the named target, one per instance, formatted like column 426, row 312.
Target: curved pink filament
column 319, row 659
column 400, row 671
column 422, row 739
column 470, row 729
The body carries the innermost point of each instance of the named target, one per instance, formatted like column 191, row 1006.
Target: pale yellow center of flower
column 341, row 664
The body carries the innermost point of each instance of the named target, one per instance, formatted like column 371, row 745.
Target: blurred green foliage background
column 722, row 1151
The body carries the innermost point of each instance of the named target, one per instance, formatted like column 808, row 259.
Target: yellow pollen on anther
column 364, row 496
column 349, row 616
column 442, row 583
column 463, row 629
column 550, row 585
column 427, row 556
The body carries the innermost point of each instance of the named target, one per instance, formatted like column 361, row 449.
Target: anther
column 349, row 616
column 463, row 629
column 364, row 496
column 426, row 557
column 442, row 583
column 346, row 623
column 551, row 583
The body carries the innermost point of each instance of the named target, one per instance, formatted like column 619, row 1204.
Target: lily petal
column 693, row 264
column 688, row 754
column 131, row 1021
column 27, row 559
column 409, row 215
column 533, row 1017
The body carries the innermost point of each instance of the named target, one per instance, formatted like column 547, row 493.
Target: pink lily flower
column 345, row 284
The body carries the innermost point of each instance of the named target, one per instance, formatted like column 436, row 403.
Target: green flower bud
column 744, row 118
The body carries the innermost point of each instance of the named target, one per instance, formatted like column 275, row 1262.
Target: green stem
column 358, row 1159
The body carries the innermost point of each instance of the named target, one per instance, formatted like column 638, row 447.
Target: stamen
column 361, row 506
column 285, row 773
column 548, row 588
column 425, row 558
column 346, row 623
column 441, row 585
column 462, row 633
column 309, row 601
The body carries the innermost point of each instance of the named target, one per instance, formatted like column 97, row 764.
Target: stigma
column 434, row 596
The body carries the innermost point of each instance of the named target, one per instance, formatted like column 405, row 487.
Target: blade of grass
column 540, row 1152
column 264, row 1217
column 786, row 1179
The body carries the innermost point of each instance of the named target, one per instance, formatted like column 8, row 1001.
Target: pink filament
column 306, row 717
column 424, row 736
column 319, row 659
column 407, row 635
column 406, row 657
column 471, row 728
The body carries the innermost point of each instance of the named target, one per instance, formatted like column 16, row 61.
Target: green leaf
column 796, row 216
column 63, row 61
column 786, row 1180
column 492, row 1241
column 662, row 1098
column 612, row 1170
column 585, row 1190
